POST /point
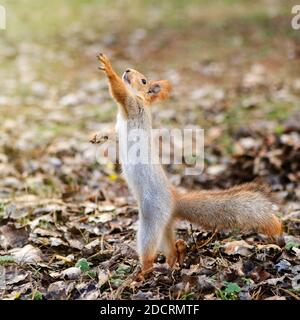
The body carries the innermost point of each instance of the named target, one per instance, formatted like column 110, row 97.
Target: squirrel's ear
column 159, row 90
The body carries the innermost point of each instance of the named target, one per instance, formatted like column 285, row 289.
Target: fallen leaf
column 27, row 255
column 240, row 247
column 72, row 273
column 103, row 277
column 283, row 265
column 14, row 275
column 59, row 290
column 142, row 295
column 12, row 237
column 296, row 283
column 276, row 298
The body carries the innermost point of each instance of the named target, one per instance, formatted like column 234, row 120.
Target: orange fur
column 247, row 206
column 273, row 227
column 164, row 93
column 116, row 85
column 123, row 96
column 147, row 261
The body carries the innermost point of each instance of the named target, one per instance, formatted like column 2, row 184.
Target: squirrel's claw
column 100, row 56
column 103, row 59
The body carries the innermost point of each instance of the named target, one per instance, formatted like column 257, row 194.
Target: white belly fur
column 147, row 181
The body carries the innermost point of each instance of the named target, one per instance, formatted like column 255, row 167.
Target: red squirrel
column 247, row 206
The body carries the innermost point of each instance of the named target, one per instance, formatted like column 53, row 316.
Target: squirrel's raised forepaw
column 104, row 60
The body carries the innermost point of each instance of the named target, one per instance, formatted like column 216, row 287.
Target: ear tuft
column 160, row 90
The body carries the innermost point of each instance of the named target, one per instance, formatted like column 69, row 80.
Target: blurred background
column 234, row 66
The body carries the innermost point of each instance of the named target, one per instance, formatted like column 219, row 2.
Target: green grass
column 280, row 111
column 5, row 260
column 43, row 189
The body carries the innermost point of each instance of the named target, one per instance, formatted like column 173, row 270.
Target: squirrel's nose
column 128, row 70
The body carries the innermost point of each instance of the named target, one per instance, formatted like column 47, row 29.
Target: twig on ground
column 208, row 240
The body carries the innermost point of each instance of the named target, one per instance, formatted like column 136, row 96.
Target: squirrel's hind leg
column 167, row 244
column 149, row 237
column 174, row 250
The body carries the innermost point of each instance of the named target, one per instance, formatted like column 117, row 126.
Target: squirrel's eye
column 144, row 81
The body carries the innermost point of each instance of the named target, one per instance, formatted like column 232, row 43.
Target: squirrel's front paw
column 98, row 138
column 106, row 66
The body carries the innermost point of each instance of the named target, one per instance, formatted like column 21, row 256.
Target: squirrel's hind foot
column 178, row 254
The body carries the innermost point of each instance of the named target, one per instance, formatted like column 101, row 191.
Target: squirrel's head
column 148, row 90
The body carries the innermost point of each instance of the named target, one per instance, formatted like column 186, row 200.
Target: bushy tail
column 247, row 206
